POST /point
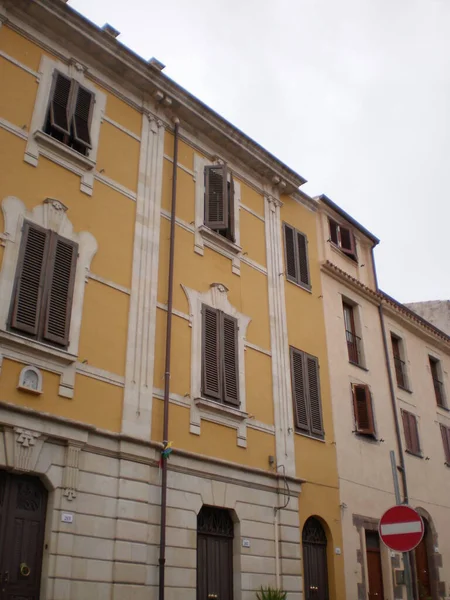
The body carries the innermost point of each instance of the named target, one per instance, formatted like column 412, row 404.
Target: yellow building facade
column 87, row 147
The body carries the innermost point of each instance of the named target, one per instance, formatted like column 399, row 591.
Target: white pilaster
column 281, row 377
column 137, row 410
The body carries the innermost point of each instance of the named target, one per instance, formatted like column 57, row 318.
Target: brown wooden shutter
column 362, row 403
column 82, row 116
column 302, row 245
column 315, row 405
column 211, row 367
column 445, row 432
column 30, row 278
column 347, row 241
column 59, row 289
column 290, row 253
column 407, row 430
column 60, row 103
column 216, row 197
column 334, row 232
column 415, row 443
column 230, row 359
column 299, row 393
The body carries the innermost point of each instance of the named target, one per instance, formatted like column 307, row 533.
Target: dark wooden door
column 375, row 573
column 422, row 569
column 214, row 555
column 23, row 501
column 315, row 570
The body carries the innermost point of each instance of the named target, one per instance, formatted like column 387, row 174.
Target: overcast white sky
column 352, row 94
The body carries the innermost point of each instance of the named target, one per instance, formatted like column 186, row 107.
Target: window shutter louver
column 60, row 103
column 216, row 200
column 445, row 432
column 302, row 244
column 315, row 406
column 407, row 430
column 59, row 290
column 212, row 380
column 362, row 403
column 347, row 241
column 231, row 208
column 82, row 117
column 230, row 360
column 414, row 432
column 299, row 390
column 30, row 277
column 291, row 260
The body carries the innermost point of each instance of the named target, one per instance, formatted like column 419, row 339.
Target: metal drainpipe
column 162, row 539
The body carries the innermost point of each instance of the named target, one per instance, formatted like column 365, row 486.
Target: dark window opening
column 219, row 201
column 343, row 238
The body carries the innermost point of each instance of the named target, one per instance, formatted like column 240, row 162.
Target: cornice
column 58, row 19
column 391, row 306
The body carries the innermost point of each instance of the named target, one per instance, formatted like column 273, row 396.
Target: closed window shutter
column 230, row 359
column 212, row 375
column 415, row 443
column 291, row 258
column 298, row 376
column 445, row 432
column 362, row 403
column 30, row 278
column 82, row 116
column 216, row 197
column 59, row 290
column 231, row 234
column 407, row 430
column 60, row 103
column 315, row 405
column 302, row 244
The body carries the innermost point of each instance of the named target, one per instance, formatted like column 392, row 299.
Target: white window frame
column 52, row 215
column 41, row 143
column 203, row 235
column 202, row 407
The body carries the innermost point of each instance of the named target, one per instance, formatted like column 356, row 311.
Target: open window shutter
column 60, row 103
column 302, row 244
column 414, row 432
column 211, row 371
column 315, row 405
column 334, row 235
column 59, row 289
column 299, row 390
column 216, row 197
column 230, row 359
column 231, row 212
column 290, row 252
column 445, row 432
column 407, row 430
column 362, row 403
column 82, row 116
column 347, row 241
column 30, row 278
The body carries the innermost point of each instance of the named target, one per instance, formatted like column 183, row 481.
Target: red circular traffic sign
column 401, row 528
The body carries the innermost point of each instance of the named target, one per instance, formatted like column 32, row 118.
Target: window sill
column 310, row 436
column 338, row 250
column 219, row 240
column 306, row 288
column 400, row 387
column 411, row 453
column 218, row 408
column 367, row 437
column 359, row 366
column 37, row 348
column 68, row 153
column 444, row 408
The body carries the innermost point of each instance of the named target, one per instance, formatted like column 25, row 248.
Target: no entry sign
column 401, row 528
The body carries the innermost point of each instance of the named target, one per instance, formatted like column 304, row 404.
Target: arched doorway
column 214, row 554
column 315, row 570
column 423, row 565
column 23, row 503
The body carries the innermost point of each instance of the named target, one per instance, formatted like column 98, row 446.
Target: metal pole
column 406, row 563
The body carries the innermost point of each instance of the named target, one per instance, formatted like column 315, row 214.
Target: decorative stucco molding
column 30, row 380
column 23, row 447
column 203, row 408
column 70, row 478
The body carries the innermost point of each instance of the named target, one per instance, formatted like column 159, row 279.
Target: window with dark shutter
column 220, row 357
column 411, row 432
column 69, row 113
column 343, row 238
column 399, row 363
column 216, row 193
column 362, row 406
column 445, row 432
column 306, row 393
column 353, row 340
column 45, row 275
column 296, row 256
column 438, row 384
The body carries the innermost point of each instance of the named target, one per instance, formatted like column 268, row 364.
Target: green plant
column 269, row 593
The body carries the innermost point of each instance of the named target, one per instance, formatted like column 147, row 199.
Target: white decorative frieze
column 71, row 470
column 23, row 447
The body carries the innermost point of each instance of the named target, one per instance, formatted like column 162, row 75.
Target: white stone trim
column 17, row 63
column 180, row 166
column 122, row 128
column 203, row 236
column 257, row 348
column 281, row 372
column 14, row 129
column 51, row 214
column 22, row 385
column 40, row 143
column 111, row 284
column 100, row 374
column 118, row 187
column 252, row 212
column 217, row 297
column 137, row 408
column 176, row 312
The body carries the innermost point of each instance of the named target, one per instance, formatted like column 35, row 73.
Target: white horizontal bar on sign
column 395, row 528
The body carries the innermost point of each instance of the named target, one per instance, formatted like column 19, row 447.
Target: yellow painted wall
column 23, row 50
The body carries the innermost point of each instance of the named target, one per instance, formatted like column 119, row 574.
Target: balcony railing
column 439, row 391
column 354, row 347
column 400, row 372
